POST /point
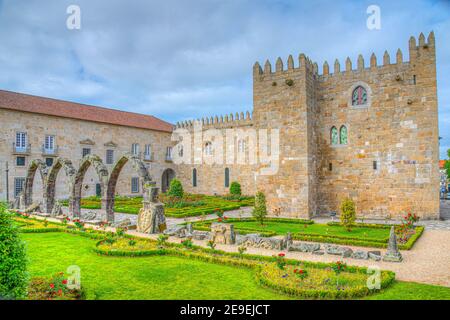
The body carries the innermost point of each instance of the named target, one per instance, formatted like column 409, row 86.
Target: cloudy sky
column 192, row 58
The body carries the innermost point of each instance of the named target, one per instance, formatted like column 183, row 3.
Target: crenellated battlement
column 222, row 121
column 424, row 46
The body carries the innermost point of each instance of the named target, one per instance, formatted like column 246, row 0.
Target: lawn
column 157, row 277
column 189, row 206
column 306, row 230
column 166, row 277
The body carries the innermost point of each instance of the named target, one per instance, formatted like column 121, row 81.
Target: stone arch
column 167, row 176
column 50, row 186
column 35, row 165
column 138, row 166
column 102, row 172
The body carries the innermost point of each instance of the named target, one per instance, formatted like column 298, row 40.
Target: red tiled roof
column 442, row 164
column 59, row 108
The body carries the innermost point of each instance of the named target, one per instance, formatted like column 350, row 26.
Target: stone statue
column 392, row 253
column 57, row 209
column 223, row 233
column 151, row 218
column 34, row 207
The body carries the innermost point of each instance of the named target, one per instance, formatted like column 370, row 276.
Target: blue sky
column 188, row 59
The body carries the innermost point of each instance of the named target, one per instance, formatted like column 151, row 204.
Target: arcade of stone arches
column 107, row 181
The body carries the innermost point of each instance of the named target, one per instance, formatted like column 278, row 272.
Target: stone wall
column 71, row 137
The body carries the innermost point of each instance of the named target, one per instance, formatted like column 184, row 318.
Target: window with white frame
column 134, row 185
column 148, row 149
column 49, row 143
column 109, row 156
column 169, row 153
column 18, row 186
column 135, row 149
column 21, row 140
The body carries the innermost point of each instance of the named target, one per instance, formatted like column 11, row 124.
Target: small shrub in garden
column 45, row 223
column 120, row 232
column 78, row 224
column 161, row 241
column 187, row 243
column 175, row 189
column 260, row 210
column 132, row 242
column 219, row 213
column 280, row 260
column 13, row 261
column 235, row 188
column 211, row 244
column 301, row 273
column 242, row 249
column 348, row 214
column 338, row 267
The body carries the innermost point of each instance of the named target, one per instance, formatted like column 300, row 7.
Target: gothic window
column 241, row 145
column 343, row 135
column 359, row 96
column 334, row 136
column 194, row 177
column 227, row 177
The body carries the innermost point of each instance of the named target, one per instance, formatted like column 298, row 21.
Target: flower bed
column 363, row 235
column 190, row 205
column 55, row 288
column 310, row 280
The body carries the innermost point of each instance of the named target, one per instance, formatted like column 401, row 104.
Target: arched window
column 334, row 136
column 241, row 145
column 227, row 177
column 194, row 177
column 359, row 96
column 208, row 148
column 343, row 135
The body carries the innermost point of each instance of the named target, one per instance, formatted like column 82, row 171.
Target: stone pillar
column 151, row 218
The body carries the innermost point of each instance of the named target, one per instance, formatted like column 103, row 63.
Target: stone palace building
column 364, row 131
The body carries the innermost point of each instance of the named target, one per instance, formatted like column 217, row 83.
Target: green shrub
column 260, row 210
column 13, row 262
column 175, row 189
column 235, row 188
column 348, row 213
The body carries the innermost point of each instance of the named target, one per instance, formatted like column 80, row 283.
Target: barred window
column 359, row 96
column 109, row 156
column 134, row 185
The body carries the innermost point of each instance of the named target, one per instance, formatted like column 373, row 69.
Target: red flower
column 281, row 254
column 219, row 219
column 225, row 218
column 64, row 281
column 59, row 292
column 301, row 271
column 52, row 285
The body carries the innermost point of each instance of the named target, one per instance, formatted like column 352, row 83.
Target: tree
column 348, row 213
column 175, row 189
column 260, row 210
column 235, row 188
column 447, row 164
column 13, row 261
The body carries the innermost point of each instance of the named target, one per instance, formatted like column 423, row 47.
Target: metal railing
column 20, row 149
column 49, row 151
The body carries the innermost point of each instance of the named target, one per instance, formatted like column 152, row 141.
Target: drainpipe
column 7, row 182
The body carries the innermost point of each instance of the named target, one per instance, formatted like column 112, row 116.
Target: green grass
column 167, row 277
column 157, row 277
column 412, row 291
column 201, row 204
column 282, row 228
